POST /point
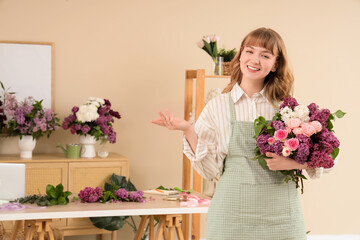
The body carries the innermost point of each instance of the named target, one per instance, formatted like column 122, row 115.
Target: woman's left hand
column 276, row 162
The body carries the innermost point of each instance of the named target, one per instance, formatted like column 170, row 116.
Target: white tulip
column 214, row 38
column 200, row 44
column 206, row 39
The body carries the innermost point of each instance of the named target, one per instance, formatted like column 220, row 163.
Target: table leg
column 141, row 228
column 160, row 228
column 16, row 228
column 177, row 224
column 151, row 228
column 113, row 235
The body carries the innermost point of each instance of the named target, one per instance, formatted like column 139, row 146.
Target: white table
column 159, row 207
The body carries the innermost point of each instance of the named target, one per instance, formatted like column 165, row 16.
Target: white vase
column 87, row 146
column 26, row 146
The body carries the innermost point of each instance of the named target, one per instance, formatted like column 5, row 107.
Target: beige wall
column 135, row 53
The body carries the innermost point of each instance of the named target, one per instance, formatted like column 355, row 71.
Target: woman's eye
column 266, row 56
column 248, row 51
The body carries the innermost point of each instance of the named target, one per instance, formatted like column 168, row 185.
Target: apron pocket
column 264, row 204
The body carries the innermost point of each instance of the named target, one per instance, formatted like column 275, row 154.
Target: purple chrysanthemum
column 90, row 194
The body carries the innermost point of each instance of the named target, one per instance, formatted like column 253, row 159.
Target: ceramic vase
column 87, row 146
column 26, row 145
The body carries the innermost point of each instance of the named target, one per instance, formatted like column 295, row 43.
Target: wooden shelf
column 217, row 76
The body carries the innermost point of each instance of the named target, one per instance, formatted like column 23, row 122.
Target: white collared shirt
column 214, row 132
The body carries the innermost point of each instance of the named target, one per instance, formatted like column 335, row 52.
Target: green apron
column 250, row 202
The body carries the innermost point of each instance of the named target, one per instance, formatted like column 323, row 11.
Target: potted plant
column 228, row 56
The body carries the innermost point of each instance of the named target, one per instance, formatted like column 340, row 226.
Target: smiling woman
column 27, row 68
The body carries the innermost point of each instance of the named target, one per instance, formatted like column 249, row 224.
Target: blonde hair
column 278, row 84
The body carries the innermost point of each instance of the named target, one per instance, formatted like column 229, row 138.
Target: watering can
column 71, row 151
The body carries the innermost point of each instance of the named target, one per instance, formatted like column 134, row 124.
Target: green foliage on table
column 56, row 195
column 228, row 55
column 113, row 223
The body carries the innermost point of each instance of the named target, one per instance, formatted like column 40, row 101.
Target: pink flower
column 297, row 131
column 280, row 134
column 293, row 123
column 317, row 125
column 292, row 144
column 308, row 129
column 271, row 141
column 286, row 151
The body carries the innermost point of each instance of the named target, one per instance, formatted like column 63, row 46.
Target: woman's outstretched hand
column 170, row 122
column 276, row 162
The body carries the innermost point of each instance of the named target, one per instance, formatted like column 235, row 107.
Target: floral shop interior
column 81, row 85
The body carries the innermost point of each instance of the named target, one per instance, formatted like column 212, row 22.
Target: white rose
column 200, row 44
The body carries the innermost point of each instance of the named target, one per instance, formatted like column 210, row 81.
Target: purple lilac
column 312, row 108
column 321, row 116
column 90, row 194
column 122, row 193
column 320, row 159
column 289, row 102
column 85, row 129
column 115, row 114
column 137, row 196
column 277, row 125
column 302, row 153
column 75, row 109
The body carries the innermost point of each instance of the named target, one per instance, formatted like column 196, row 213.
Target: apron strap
column 232, row 109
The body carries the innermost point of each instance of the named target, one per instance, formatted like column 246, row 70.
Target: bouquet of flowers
column 29, row 117
column 8, row 104
column 209, row 45
column 303, row 133
column 94, row 118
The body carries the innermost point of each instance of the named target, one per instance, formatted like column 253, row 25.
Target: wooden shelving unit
column 199, row 77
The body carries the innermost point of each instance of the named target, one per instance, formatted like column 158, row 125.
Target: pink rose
column 292, row 143
column 271, row 141
column 293, row 123
column 308, row 129
column 317, row 125
column 297, row 131
column 280, row 134
column 286, row 151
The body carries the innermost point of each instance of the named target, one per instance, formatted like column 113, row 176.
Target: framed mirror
column 27, row 68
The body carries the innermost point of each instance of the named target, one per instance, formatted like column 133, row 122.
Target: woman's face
column 256, row 62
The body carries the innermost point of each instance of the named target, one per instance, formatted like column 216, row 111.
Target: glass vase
column 218, row 62
column 103, row 150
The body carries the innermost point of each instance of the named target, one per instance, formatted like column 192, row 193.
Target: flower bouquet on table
column 303, row 133
column 209, row 44
column 94, row 118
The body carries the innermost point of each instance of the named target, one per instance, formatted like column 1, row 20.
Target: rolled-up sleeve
column 204, row 161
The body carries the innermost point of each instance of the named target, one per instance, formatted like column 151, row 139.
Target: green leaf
column 339, row 114
column 118, row 180
column 335, row 153
column 51, row 192
column 109, row 223
column 262, row 163
column 130, row 186
column 62, row 200
column 108, row 187
column 53, row 202
column 107, row 195
column 208, row 48
column 59, row 189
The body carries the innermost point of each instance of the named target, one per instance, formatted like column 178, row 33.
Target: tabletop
column 157, row 206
